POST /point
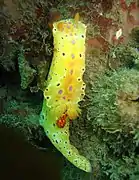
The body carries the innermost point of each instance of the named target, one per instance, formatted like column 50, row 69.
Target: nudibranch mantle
column 65, row 88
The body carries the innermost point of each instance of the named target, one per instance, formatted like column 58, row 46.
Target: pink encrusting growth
column 115, row 32
column 130, row 18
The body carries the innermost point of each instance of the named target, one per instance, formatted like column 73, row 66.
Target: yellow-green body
column 65, row 87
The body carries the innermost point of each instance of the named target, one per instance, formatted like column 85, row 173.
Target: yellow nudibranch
column 65, row 88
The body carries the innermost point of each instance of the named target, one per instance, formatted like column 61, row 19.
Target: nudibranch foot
column 60, row 139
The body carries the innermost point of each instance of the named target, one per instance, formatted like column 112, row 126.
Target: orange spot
column 62, row 121
column 60, row 26
column 66, row 27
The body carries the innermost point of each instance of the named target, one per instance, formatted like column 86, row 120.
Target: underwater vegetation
column 113, row 115
column 115, row 102
column 105, row 102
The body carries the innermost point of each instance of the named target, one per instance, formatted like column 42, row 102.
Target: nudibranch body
column 65, row 88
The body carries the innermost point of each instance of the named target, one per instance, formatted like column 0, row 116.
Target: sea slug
column 65, row 88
